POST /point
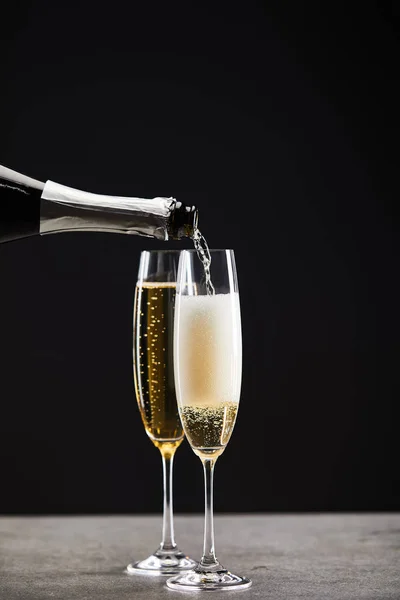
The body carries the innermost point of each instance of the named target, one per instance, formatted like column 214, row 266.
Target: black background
column 280, row 122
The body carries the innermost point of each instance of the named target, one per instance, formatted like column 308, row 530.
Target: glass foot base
column 203, row 580
column 162, row 562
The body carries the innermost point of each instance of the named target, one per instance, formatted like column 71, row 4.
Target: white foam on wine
column 208, row 350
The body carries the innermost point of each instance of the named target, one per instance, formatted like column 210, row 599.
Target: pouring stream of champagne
column 204, row 255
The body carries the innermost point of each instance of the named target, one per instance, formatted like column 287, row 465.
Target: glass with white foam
column 208, row 373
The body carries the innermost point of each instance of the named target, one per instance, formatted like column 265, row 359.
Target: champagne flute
column 155, row 391
column 208, row 371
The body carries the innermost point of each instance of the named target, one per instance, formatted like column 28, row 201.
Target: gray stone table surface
column 310, row 556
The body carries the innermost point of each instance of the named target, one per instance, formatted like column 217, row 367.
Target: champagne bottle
column 30, row 207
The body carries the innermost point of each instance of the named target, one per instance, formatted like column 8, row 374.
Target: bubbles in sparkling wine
column 204, row 255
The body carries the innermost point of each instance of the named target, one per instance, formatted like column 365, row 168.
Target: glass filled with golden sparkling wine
column 208, row 371
column 153, row 328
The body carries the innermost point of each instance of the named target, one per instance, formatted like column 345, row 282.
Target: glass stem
column 168, row 541
column 208, row 560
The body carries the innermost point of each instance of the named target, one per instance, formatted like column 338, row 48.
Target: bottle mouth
column 183, row 222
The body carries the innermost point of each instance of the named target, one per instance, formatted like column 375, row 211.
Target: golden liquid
column 153, row 364
column 209, row 428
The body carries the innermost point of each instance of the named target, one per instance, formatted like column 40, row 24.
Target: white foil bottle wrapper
column 63, row 209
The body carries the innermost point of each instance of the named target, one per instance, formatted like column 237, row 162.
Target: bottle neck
column 64, row 209
column 29, row 207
